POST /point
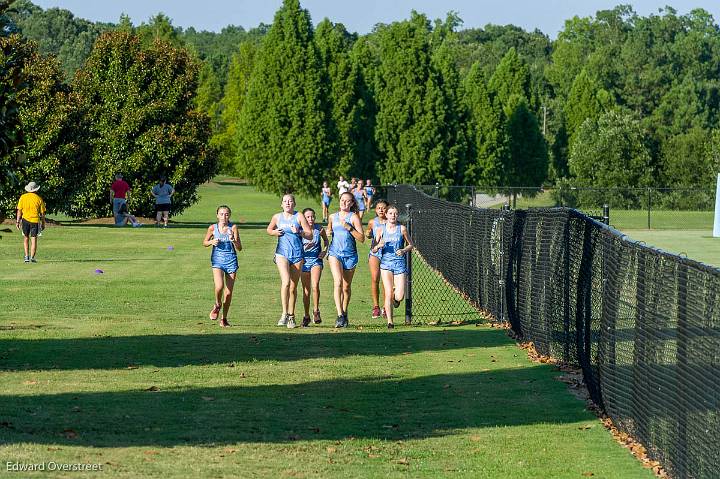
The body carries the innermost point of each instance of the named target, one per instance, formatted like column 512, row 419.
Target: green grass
column 125, row 370
column 631, row 219
column 694, row 244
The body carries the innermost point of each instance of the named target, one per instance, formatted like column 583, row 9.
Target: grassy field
column 695, row 244
column 123, row 369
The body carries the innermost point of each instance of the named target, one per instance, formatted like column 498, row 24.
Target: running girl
column 223, row 236
column 345, row 228
column 360, row 198
column 290, row 227
column 313, row 253
column 370, row 191
column 392, row 264
column 326, row 198
column 372, row 233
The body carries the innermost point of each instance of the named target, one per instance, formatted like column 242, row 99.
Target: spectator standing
column 343, row 186
column 30, row 219
column 162, row 192
column 118, row 194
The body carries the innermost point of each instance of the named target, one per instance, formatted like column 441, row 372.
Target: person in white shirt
column 343, row 186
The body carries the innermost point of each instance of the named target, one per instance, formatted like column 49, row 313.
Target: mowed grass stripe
column 124, row 369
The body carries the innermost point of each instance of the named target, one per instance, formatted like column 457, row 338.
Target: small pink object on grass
column 170, row 248
column 99, row 271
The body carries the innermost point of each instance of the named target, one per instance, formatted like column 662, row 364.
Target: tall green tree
column 510, row 78
column 53, row 132
column 690, row 159
column 15, row 54
column 413, row 109
column 527, row 159
column 231, row 105
column 611, row 152
column 13, row 57
column 585, row 100
column 366, row 58
column 138, row 106
column 347, row 105
column 526, row 162
column 209, row 93
column 58, row 32
column 486, row 130
column 283, row 139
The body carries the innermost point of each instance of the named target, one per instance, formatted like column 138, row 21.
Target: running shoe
column 376, row 312
column 224, row 323
column 391, row 325
column 32, row 259
column 290, row 321
column 306, row 321
column 408, row 320
column 345, row 320
column 316, row 317
column 340, row 322
column 396, row 303
column 214, row 312
column 283, row 320
column 26, row 259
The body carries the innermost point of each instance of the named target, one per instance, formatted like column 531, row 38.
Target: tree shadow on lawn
column 383, row 408
column 118, row 352
column 250, row 225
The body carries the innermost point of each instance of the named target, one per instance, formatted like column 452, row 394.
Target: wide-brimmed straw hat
column 32, row 187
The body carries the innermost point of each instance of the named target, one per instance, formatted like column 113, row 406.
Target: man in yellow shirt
column 31, row 219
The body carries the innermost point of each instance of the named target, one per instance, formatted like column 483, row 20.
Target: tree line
column 617, row 99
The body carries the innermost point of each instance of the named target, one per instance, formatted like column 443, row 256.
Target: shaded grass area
column 124, row 369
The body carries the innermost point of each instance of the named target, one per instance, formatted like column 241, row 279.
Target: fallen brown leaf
column 330, row 450
column 404, row 461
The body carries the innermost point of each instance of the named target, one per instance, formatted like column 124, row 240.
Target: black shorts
column 30, row 229
column 162, row 207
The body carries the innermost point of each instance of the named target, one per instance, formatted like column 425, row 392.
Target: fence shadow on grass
column 201, row 349
column 373, row 408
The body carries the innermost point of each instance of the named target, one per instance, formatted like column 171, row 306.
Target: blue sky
column 360, row 15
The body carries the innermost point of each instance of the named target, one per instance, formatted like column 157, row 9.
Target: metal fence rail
column 631, row 208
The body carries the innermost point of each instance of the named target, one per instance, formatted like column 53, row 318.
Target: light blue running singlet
column 223, row 255
column 343, row 243
column 359, row 199
column 290, row 244
column 377, row 229
column 311, row 254
column 393, row 242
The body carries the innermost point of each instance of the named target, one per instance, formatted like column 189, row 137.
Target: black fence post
column 472, row 198
column 606, row 214
column 504, row 212
column 408, row 261
column 648, row 206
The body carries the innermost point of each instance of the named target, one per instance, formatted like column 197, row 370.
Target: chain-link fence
column 643, row 325
column 630, row 208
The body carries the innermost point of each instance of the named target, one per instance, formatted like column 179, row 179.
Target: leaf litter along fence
column 643, row 325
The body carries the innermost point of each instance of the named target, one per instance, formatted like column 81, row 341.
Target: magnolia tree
column 137, row 105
